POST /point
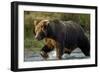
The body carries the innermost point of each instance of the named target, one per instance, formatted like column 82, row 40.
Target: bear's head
column 40, row 29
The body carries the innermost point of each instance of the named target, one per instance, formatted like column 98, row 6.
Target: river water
column 31, row 56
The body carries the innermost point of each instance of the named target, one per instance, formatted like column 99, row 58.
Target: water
column 31, row 56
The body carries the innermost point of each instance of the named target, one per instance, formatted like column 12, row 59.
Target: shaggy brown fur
column 62, row 34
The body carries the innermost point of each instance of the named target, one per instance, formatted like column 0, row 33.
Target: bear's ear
column 36, row 22
column 46, row 22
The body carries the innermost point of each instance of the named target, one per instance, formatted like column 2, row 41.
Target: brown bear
column 66, row 34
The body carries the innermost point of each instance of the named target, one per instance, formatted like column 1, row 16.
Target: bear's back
column 73, row 33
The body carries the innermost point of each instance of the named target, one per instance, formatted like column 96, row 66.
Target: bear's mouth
column 40, row 36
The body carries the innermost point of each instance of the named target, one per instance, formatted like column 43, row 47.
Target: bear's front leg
column 60, row 44
column 59, row 50
column 44, row 51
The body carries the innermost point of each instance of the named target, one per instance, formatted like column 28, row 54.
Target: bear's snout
column 39, row 36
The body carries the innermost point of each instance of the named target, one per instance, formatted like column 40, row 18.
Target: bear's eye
column 45, row 27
